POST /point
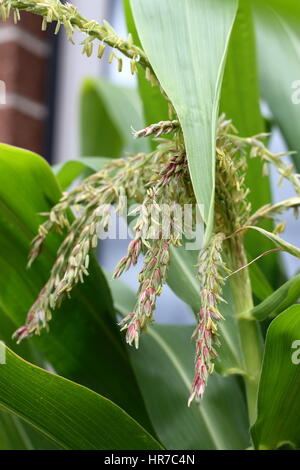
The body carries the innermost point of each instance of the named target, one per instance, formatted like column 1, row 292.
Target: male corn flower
column 95, row 34
column 151, row 180
column 165, row 170
column 169, row 184
column 161, row 177
column 210, row 267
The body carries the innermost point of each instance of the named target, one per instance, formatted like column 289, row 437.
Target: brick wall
column 24, row 63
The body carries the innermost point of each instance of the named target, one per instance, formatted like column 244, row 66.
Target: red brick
column 24, row 73
column 21, row 130
column 31, row 23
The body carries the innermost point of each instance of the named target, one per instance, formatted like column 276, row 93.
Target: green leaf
column 279, row 242
column 26, row 349
column 279, row 300
column 166, row 359
column 240, row 101
column 260, row 284
column 66, row 173
column 278, row 398
column 15, row 434
column 84, row 343
column 290, row 8
column 278, row 36
column 69, row 414
column 154, row 103
column 182, row 278
column 240, row 92
column 190, row 76
column 108, row 113
column 12, row 433
column 99, row 134
column 164, row 367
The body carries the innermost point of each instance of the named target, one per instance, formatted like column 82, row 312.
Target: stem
column 251, row 340
column 68, row 15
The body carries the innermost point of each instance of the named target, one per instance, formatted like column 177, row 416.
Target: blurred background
column 43, row 74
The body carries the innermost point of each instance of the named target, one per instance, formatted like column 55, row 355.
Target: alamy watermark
column 296, row 353
column 2, row 353
column 2, row 92
column 296, row 93
column 156, row 221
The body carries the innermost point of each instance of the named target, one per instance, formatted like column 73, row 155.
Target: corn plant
column 191, row 135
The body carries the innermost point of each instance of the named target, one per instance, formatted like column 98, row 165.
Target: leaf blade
column 277, row 29
column 279, row 242
column 164, row 368
column 186, row 72
column 71, row 415
column 278, row 404
column 108, row 112
column 279, row 300
column 84, row 328
column 240, row 101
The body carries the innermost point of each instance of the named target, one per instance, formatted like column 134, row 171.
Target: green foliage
column 279, row 242
column 207, row 423
column 240, row 99
column 194, row 61
column 108, row 113
column 277, row 25
column 280, row 300
column 84, row 329
column 69, row 414
column 70, row 171
column 278, row 405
